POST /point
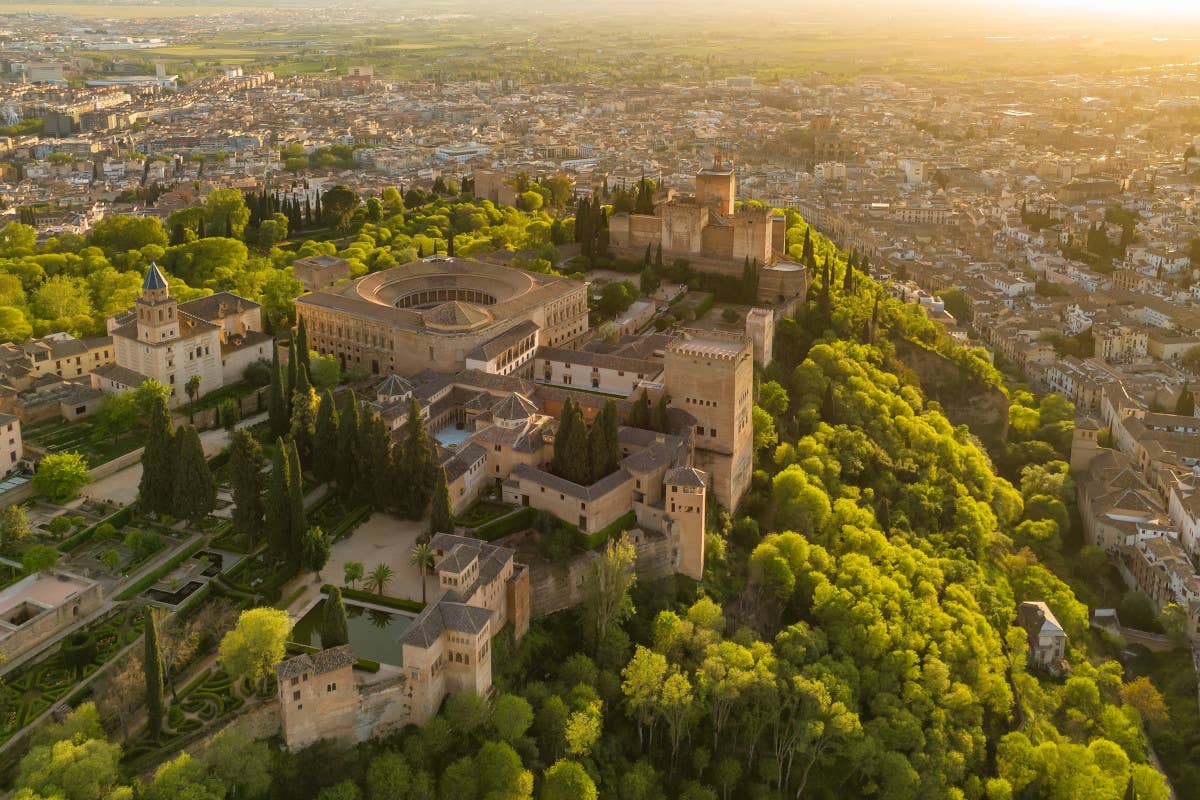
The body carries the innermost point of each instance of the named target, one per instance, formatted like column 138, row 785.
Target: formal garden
column 85, row 436
column 32, row 689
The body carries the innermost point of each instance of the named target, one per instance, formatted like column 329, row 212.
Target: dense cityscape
column 448, row 403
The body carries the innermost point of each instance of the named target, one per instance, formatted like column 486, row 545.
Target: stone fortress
column 490, row 355
column 713, row 234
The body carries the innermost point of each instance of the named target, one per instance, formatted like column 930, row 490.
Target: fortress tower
column 684, row 497
column 710, row 375
column 715, row 188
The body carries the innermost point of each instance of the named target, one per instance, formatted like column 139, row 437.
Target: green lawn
column 60, row 436
column 482, row 512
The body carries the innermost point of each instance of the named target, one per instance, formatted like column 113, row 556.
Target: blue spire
column 154, row 278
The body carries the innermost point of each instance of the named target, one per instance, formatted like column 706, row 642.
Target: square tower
column 715, row 188
column 710, row 375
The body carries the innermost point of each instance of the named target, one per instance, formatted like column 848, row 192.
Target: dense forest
column 855, row 634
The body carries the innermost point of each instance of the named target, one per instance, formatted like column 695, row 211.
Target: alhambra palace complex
column 492, row 354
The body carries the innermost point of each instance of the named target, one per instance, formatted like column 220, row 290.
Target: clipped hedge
column 118, row 519
column 590, row 541
column 415, row 606
column 518, row 520
column 153, row 577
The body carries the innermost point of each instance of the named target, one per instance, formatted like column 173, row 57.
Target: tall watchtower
column 716, row 188
column 157, row 311
column 684, row 495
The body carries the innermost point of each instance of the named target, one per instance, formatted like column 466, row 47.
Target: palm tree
column 421, row 557
column 379, row 578
column 192, row 387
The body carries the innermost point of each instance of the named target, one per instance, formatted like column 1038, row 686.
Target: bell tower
column 157, row 311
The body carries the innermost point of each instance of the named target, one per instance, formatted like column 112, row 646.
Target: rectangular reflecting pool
column 374, row 633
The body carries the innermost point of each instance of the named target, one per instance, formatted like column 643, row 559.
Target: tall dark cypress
column 245, row 469
column 153, row 670
column 419, row 461
column 441, row 518
column 277, row 403
column 334, row 629
column 195, row 490
column 278, row 512
column 158, row 459
column 298, row 518
column 347, row 440
column 302, row 346
column 293, row 362
column 325, row 441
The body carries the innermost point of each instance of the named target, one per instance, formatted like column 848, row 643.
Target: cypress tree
column 245, row 468
column 347, row 435
column 302, row 351
column 153, row 670
column 827, row 405
column 195, row 490
column 334, row 630
column 639, row 415
column 571, row 446
column 603, row 445
column 293, row 362
column 661, row 422
column 325, row 440
column 158, row 459
column 278, row 512
column 658, row 257
column 200, row 234
column 441, row 518
column 297, row 518
column 419, row 456
column 808, row 257
column 848, row 280
column 304, row 416
column 277, row 406
column 646, row 258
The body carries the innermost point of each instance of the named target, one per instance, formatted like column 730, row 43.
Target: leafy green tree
column 606, row 590
column 225, row 210
column 240, row 762
column 38, row 558
column 511, row 717
column 352, row 573
column 195, row 490
column 567, row 780
column 14, row 527
column 245, row 471
column 415, row 464
column 256, row 643
column 344, row 790
column 570, row 460
column 76, row 768
column 339, row 204
column 389, row 776
column 152, row 668
column 501, row 773
column 60, row 476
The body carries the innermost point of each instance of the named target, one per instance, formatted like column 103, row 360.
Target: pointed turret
column 157, row 316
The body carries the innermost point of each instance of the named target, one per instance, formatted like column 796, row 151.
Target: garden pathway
column 122, row 487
